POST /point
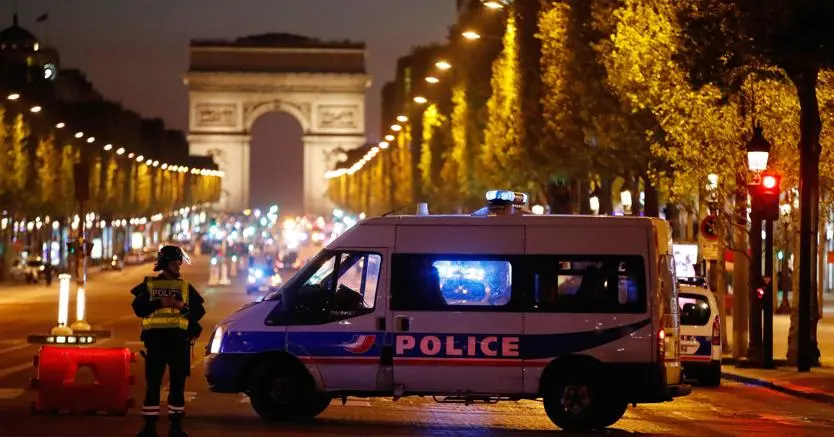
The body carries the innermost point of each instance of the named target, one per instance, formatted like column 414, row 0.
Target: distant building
column 23, row 61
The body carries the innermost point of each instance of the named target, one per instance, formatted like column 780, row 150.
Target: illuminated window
column 438, row 282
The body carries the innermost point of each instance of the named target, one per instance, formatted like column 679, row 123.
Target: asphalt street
column 732, row 409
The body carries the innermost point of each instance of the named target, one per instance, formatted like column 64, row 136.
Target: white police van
column 498, row 305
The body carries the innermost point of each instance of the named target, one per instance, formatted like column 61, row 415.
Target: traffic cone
column 233, row 272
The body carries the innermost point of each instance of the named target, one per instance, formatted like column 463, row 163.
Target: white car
column 700, row 335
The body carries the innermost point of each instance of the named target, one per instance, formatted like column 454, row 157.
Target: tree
column 47, row 173
column 18, row 163
column 143, row 190
column 725, row 40
column 65, row 205
column 433, row 120
column 403, row 169
column 501, row 152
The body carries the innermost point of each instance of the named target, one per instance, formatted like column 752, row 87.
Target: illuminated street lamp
column 443, row 65
column 432, row 80
column 36, row 109
column 390, row 137
column 108, row 147
column 14, row 96
column 396, row 127
column 402, row 118
column 471, row 35
column 496, row 4
column 625, row 199
column 60, row 125
column 383, row 145
column 79, row 134
column 421, row 100
column 120, row 151
column 758, row 150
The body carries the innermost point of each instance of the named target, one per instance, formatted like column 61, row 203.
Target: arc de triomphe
column 232, row 83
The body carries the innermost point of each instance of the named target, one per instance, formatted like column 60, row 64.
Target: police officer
column 170, row 309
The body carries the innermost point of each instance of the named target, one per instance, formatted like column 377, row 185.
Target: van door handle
column 403, row 323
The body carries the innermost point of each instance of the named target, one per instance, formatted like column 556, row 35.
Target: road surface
column 732, row 409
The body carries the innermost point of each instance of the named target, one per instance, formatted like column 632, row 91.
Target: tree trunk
column 805, row 81
column 606, row 205
column 793, row 331
column 652, row 208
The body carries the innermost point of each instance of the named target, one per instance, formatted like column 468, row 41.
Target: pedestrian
column 170, row 309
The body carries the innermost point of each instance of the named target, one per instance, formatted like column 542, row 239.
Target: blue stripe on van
column 428, row 345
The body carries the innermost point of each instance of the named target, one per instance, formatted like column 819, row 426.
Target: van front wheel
column 282, row 396
column 576, row 402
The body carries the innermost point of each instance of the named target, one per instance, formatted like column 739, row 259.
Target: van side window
column 443, row 282
column 335, row 287
column 589, row 284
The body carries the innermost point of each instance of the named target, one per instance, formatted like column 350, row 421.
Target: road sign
column 709, row 227
column 710, row 250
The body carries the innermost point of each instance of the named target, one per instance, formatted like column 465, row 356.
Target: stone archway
column 232, row 83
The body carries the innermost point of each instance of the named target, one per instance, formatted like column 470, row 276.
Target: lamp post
column 758, row 152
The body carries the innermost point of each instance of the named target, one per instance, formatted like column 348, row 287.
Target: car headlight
column 259, row 273
column 216, row 341
column 251, row 279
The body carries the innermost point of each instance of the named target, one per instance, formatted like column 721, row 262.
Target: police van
column 581, row 311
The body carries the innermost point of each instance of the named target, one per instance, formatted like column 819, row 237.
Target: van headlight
column 216, row 341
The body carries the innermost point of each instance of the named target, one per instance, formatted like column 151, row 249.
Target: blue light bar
column 500, row 196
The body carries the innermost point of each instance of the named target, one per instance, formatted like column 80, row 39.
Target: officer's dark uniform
column 167, row 334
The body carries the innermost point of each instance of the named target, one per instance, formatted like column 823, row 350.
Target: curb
column 814, row 395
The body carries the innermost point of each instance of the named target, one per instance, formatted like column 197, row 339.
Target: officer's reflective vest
column 166, row 318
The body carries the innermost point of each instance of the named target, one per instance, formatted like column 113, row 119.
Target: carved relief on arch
column 301, row 111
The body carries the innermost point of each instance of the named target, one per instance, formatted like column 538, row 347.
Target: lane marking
column 11, row 393
column 20, row 345
column 14, row 369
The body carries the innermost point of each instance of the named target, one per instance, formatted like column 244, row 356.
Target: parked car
column 700, row 335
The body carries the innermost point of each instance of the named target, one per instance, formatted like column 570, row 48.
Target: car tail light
column 661, row 345
column 716, row 332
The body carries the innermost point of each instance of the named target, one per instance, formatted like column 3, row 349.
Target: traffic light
column 71, row 248
column 767, row 195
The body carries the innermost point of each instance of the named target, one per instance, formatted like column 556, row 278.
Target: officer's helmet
column 170, row 253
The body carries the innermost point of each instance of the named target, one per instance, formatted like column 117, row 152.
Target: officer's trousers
column 177, row 357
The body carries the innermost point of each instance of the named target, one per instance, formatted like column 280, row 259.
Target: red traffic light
column 760, row 293
column 769, row 182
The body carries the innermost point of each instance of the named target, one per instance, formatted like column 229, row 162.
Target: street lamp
column 432, row 80
column 758, row 150
column 625, row 199
column 402, row 118
column 443, row 65
column 396, row 127
column 471, row 35
column 389, row 138
column 420, row 100
column 760, row 346
column 496, row 4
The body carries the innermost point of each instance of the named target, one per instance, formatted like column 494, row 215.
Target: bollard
column 224, row 273
column 214, row 278
column 63, row 306
column 80, row 308
column 233, row 273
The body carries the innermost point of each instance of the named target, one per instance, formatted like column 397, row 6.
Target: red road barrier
column 83, row 380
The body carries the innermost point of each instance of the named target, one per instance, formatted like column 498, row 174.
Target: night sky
column 135, row 52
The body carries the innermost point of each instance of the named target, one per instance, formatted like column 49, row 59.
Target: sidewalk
column 817, row 385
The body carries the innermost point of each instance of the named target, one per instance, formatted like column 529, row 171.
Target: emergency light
column 504, row 196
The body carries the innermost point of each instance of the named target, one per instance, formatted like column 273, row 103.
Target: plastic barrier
column 83, row 380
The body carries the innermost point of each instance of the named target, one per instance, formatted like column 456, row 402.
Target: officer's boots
column 176, row 426
column 149, row 429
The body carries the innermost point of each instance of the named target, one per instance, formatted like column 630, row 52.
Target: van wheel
column 576, row 402
column 282, row 396
column 711, row 376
